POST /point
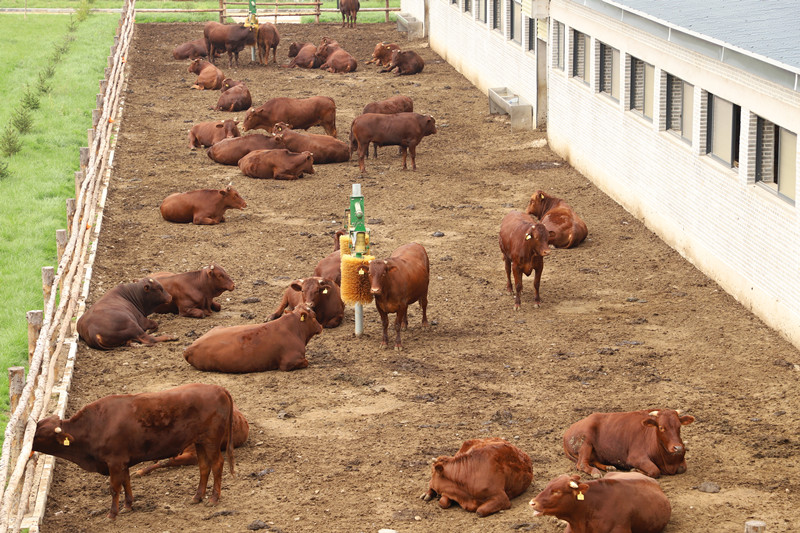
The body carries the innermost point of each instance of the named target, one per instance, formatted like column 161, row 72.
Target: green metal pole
column 252, row 22
column 358, row 243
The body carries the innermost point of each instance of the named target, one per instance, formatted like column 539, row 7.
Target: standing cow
column 193, row 292
column 268, row 39
column 523, row 242
column 621, row 502
column 648, row 441
column 349, row 9
column 565, row 227
column 395, row 104
column 405, row 130
column 231, row 38
column 483, row 476
column 119, row 317
column 398, row 282
column 113, row 433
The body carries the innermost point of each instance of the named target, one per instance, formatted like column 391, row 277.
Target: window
column 467, row 6
column 723, row 130
column 531, row 43
column 516, row 21
column 581, row 64
column 558, row 45
column 776, row 155
column 642, row 87
column 454, row 2
column 609, row 71
column 480, row 9
column 680, row 107
column 495, row 14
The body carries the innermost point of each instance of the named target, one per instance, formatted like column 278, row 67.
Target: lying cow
column 231, row 38
column 304, row 55
column 301, row 113
column 406, row 62
column 565, row 227
column 210, row 133
column 331, row 266
column 483, row 476
column 191, row 49
column 119, row 317
column 230, row 151
column 235, row 96
column 193, row 292
column 113, row 433
column 320, row 294
column 349, row 9
column 398, row 282
column 326, row 149
column 390, row 106
column 241, row 430
column 268, row 39
column 203, row 206
column 276, row 345
column 523, row 242
column 383, row 54
column 648, row 441
column 622, row 502
column 208, row 76
column 336, row 59
column 405, row 130
column 279, row 164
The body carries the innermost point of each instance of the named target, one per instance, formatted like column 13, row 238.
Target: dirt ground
column 346, row 444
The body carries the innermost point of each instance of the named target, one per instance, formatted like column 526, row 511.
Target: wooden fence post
column 34, row 327
column 386, row 13
column 222, row 11
column 78, row 182
column 16, row 382
column 84, row 157
column 48, row 275
column 755, row 526
column 70, row 213
column 90, row 136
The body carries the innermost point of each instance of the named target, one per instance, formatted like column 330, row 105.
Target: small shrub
column 48, row 71
column 82, row 12
column 4, row 172
column 30, row 100
column 42, row 86
column 21, row 120
column 9, row 142
column 73, row 24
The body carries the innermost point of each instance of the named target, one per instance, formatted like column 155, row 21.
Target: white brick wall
column 740, row 235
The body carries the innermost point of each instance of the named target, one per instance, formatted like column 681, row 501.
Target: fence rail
column 25, row 478
column 272, row 10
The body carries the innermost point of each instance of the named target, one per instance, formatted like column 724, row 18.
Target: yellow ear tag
column 360, row 271
column 324, row 291
column 527, row 237
column 543, row 197
column 66, row 441
column 302, row 318
column 580, row 496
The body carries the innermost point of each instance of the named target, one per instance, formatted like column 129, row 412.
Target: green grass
column 41, row 175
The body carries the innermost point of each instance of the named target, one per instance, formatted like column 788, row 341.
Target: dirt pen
column 346, row 444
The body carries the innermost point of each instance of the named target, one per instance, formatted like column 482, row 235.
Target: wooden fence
column 25, row 479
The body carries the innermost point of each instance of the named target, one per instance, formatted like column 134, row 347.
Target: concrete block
column 410, row 25
column 504, row 101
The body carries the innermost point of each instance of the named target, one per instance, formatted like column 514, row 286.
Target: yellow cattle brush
column 355, row 278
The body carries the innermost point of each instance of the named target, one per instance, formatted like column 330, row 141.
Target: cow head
column 378, row 270
column 151, row 294
column 231, row 198
column 197, row 65
column 536, row 240
column 220, row 279
column 428, row 125
column 278, row 127
column 229, row 127
column 667, row 424
column 307, row 165
column 50, row 438
column 536, row 206
column 250, row 119
column 560, row 496
column 308, row 319
column 315, row 290
column 294, row 49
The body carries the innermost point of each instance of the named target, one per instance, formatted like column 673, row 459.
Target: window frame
column 497, row 13
column 712, row 130
column 467, row 6
column 613, row 69
column 646, row 97
column 558, row 45
column 481, row 14
column 581, row 57
column 530, row 44
column 514, row 16
column 770, row 146
column 680, row 108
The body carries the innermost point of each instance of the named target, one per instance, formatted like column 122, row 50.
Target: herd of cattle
column 195, row 423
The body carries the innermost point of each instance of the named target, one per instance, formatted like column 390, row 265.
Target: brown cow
column 349, row 9
column 113, row 433
column 268, row 39
column 390, row 106
column 304, row 55
column 331, row 266
column 203, row 206
column 210, row 133
column 231, row 38
column 119, row 317
column 193, row 292
column 483, row 476
column 398, row 282
column 208, row 75
column 335, row 58
column 277, row 345
column 191, row 49
column 622, row 502
column 230, row 151
column 648, row 441
column 523, row 242
column 279, row 164
column 301, row 113
column 405, row 130
column 320, row 294
column 566, row 228
column 241, row 430
column 383, row 54
column 235, row 96
column 406, row 62
column 326, row 149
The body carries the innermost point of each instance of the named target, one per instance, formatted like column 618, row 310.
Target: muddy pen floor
column 346, row 444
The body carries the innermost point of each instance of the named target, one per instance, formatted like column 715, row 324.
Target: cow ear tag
column 66, row 441
column 580, row 496
column 542, row 196
column 324, row 291
column 360, row 271
column 528, row 237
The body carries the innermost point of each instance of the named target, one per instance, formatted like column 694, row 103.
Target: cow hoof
column 516, row 307
column 197, row 500
column 397, row 348
column 536, row 305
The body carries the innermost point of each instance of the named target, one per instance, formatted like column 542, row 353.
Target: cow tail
column 229, row 446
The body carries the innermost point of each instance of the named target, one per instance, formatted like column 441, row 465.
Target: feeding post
column 252, row 24
column 355, row 258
